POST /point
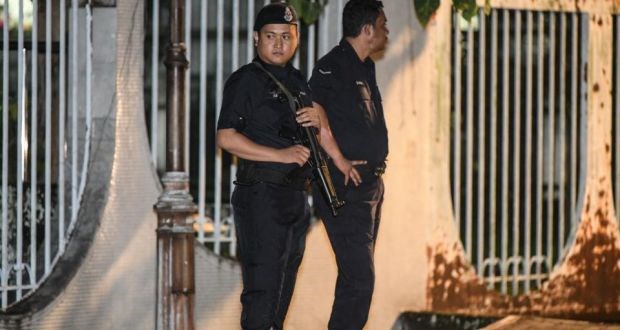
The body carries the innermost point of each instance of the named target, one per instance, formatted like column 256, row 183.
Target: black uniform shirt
column 253, row 106
column 347, row 88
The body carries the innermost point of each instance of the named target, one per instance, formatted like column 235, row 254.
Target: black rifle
column 309, row 140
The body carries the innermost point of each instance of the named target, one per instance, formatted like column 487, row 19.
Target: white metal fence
column 44, row 162
column 218, row 40
column 517, row 140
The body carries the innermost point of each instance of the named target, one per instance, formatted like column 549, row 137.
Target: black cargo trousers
column 352, row 235
column 271, row 223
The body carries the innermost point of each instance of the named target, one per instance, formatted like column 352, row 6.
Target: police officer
column 344, row 84
column 270, row 207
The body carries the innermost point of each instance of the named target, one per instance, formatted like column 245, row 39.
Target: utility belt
column 248, row 174
column 367, row 171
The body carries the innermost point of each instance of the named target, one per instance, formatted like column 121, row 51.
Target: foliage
column 425, row 9
column 307, row 10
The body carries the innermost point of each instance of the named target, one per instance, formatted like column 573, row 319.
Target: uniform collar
column 348, row 49
column 278, row 71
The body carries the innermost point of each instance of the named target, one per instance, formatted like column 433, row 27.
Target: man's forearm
column 239, row 145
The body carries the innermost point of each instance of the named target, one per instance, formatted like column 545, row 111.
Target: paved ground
column 533, row 323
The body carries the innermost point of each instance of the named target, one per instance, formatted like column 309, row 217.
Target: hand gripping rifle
column 308, row 139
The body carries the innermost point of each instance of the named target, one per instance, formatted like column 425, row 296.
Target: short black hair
column 358, row 13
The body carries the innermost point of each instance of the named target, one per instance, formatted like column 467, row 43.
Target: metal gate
column 46, row 117
column 518, row 140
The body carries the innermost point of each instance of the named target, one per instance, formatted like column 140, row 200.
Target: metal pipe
column 517, row 154
column 34, row 143
column 22, row 141
column 48, row 135
column 505, row 147
column 469, row 147
column 188, row 81
column 562, row 136
column 493, row 146
column 155, row 82
column 5, row 156
column 540, row 146
column 74, row 108
column 61, row 120
column 175, row 235
column 202, row 113
column 573, row 121
column 481, row 141
column 529, row 81
column 457, row 123
column 219, row 86
column 551, row 143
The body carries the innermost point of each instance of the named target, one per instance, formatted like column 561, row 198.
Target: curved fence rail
column 46, row 117
column 518, row 140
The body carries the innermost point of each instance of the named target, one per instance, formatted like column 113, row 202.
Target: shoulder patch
column 324, row 72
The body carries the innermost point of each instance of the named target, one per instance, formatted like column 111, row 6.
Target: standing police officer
column 270, row 207
column 344, row 84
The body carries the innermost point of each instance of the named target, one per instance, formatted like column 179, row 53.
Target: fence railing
column 219, row 40
column 44, row 162
column 518, row 140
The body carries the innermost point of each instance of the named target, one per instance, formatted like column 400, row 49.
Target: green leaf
column 425, row 9
column 468, row 8
column 307, row 10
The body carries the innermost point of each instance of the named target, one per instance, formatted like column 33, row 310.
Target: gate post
column 175, row 236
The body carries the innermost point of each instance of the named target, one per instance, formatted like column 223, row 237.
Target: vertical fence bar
column 233, row 163
column 339, row 11
column 22, row 140
column 155, row 82
column 562, row 136
column 311, row 50
column 61, row 119
column 188, row 76
column 249, row 38
column 33, row 145
column 481, row 139
column 505, row 133
column 325, row 29
column 48, row 134
column 217, row 208
column 5, row 153
column 527, row 203
column 74, row 107
column 517, row 155
column 88, row 107
column 573, row 121
column 202, row 143
column 457, row 122
column 493, row 148
column 469, row 153
column 540, row 146
column 551, row 143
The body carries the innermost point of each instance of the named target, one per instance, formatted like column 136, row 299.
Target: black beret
column 275, row 13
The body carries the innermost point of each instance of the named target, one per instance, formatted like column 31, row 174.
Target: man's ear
column 255, row 36
column 368, row 29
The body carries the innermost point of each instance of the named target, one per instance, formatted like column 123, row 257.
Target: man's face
column 379, row 35
column 276, row 43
